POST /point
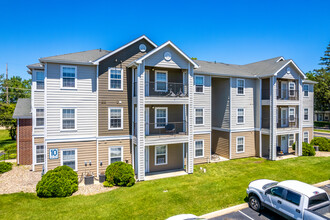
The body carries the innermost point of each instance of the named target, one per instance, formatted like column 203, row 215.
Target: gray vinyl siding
column 83, row 99
column 38, row 102
column 308, row 102
column 294, row 74
column 220, row 103
column 203, row 100
column 246, row 101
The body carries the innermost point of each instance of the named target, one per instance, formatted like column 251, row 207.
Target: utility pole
column 7, row 82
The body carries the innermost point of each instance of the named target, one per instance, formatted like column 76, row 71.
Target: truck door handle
column 279, row 202
column 297, row 210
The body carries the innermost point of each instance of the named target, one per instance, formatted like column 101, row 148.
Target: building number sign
column 53, row 154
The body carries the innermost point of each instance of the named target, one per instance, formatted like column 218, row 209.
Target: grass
column 223, row 185
column 5, row 139
column 322, row 130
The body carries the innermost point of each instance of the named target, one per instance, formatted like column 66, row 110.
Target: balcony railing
column 290, row 122
column 164, row 89
column 170, row 128
column 287, row 94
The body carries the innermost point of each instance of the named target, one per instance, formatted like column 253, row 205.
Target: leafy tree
column 17, row 88
column 325, row 61
column 6, row 118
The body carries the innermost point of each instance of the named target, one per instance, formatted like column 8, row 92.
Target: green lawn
column 223, row 185
column 322, row 130
column 5, row 139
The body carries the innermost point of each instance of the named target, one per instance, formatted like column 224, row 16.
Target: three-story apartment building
column 157, row 109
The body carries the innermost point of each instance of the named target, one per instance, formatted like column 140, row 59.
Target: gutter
column 66, row 62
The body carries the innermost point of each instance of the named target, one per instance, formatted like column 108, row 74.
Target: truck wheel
column 254, row 203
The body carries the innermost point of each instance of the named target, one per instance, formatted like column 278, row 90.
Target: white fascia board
column 281, row 58
column 123, row 47
column 291, row 61
column 65, row 61
column 224, row 75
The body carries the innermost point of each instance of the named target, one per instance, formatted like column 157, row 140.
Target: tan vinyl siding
column 310, row 133
column 38, row 140
column 174, row 158
column 257, row 142
column 265, row 145
column 220, row 143
column 207, row 148
column 86, row 151
column 104, row 152
column 250, row 144
column 38, row 168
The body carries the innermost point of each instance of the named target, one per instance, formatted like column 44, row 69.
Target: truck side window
column 276, row 191
column 293, row 197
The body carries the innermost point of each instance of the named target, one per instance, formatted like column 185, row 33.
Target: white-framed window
column 291, row 114
column 40, row 118
column 240, row 144
column 115, row 154
column 306, row 90
column 69, row 158
column 240, row 86
column 161, row 155
column 40, row 153
column 306, row 114
column 199, row 84
column 199, row 148
column 115, row 76
column 199, row 116
column 240, row 116
column 161, row 117
column 306, row 136
column 292, row 87
column 161, row 81
column 291, row 139
column 40, row 80
column 69, row 119
column 68, row 77
column 116, row 118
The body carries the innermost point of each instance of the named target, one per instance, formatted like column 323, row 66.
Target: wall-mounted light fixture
column 101, row 163
column 90, row 163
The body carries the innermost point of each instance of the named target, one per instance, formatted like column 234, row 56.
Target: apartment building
column 157, row 109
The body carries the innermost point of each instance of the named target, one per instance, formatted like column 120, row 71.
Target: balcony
column 290, row 94
column 289, row 122
column 164, row 89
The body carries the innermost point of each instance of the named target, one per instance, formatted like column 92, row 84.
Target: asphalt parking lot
column 249, row 214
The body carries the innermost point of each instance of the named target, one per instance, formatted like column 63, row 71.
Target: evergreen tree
column 325, row 61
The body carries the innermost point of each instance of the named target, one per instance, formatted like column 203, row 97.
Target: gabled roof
column 23, row 108
column 35, row 66
column 309, row 81
column 96, row 61
column 139, row 61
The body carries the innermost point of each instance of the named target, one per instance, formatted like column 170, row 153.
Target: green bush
column 120, row 174
column 107, row 184
column 294, row 146
column 321, row 124
column 307, row 149
column 60, row 182
column 322, row 142
column 5, row 167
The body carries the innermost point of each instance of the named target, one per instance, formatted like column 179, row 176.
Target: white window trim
column 307, row 114
column 196, row 84
column 166, row 155
column 307, row 90
column 294, row 87
column 109, row 79
column 75, row 119
column 122, row 118
column 306, row 132
column 35, row 150
column 294, row 114
column 35, row 80
column 75, row 154
column 156, row 116
column 240, row 123
column 161, row 71
column 294, row 139
column 75, row 77
column 237, row 86
column 195, row 149
column 203, row 117
column 109, row 153
column 35, row 117
column 239, row 152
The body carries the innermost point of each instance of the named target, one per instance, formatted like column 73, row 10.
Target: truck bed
column 318, row 212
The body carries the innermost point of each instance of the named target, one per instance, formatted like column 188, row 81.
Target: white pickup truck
column 291, row 199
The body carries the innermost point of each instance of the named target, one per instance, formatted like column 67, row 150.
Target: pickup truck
column 291, row 199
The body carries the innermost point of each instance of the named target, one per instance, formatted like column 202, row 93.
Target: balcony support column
column 300, row 118
column 190, row 153
column 273, row 118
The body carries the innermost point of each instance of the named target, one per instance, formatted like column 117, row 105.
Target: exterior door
column 284, row 144
column 284, row 90
column 284, row 117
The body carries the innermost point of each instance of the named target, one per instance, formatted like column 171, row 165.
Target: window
column 40, row 154
column 69, row 76
column 276, row 191
column 199, row 148
column 306, row 137
column 291, row 139
column 240, row 145
column 292, row 89
column 293, row 197
column 240, row 86
column 115, row 154
column 291, row 115
column 68, row 119
column 199, row 116
column 161, row 81
column 160, row 117
column 240, row 116
column 40, row 80
column 69, row 158
column 318, row 199
column 161, row 155
column 306, row 114
column 199, row 84
column 39, row 117
column 115, row 118
column 115, row 78
column 306, row 90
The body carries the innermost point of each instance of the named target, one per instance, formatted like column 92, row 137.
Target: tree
column 17, row 88
column 325, row 61
column 6, row 118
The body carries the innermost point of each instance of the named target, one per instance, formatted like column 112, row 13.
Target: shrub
column 322, row 142
column 5, row 167
column 307, row 149
column 60, row 182
column 120, row 174
column 294, row 146
column 107, row 184
column 321, row 124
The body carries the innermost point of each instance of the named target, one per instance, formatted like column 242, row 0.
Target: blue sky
column 237, row 32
